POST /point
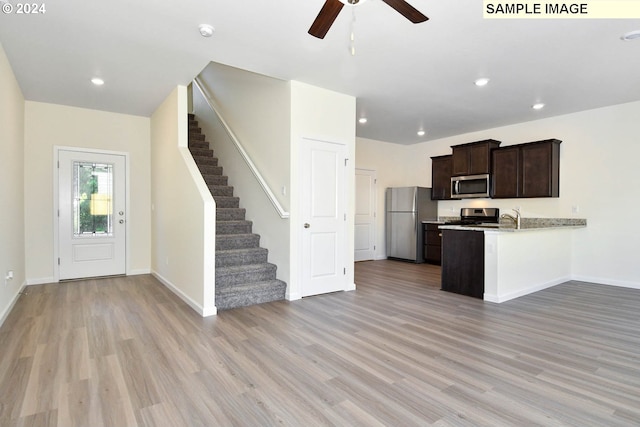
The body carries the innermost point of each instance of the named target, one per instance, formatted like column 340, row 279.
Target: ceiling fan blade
column 325, row 18
column 406, row 10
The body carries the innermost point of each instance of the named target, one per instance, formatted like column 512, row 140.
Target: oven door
column 464, row 187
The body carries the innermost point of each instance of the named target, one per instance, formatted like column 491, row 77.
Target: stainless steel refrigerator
column 406, row 208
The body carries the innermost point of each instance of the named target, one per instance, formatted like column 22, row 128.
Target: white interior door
column 324, row 217
column 365, row 215
column 92, row 214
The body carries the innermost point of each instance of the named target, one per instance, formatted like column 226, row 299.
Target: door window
column 92, row 199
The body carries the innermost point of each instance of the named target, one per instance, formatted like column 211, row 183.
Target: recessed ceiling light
column 362, row 120
column 538, row 106
column 206, row 30
column 631, row 35
column 481, row 82
column 421, row 132
column 97, row 81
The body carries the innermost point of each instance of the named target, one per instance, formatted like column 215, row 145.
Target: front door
column 324, row 216
column 91, row 220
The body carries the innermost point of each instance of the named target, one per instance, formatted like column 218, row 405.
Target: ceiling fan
column 332, row 8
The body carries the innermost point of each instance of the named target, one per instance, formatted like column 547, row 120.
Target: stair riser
column 230, row 214
column 205, row 161
column 227, row 242
column 216, row 180
column 211, row 165
column 267, row 272
column 227, row 227
column 244, row 257
column 220, row 190
column 212, row 170
column 201, row 152
column 203, row 145
column 227, row 202
column 231, row 298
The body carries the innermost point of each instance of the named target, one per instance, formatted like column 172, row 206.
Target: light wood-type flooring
column 396, row 352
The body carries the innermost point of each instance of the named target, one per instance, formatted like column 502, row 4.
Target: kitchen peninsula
column 499, row 262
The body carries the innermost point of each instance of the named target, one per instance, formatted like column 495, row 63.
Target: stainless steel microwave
column 466, row 187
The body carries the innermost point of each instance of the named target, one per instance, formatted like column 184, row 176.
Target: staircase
column 243, row 275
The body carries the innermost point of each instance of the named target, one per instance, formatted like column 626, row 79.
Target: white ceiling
column 404, row 76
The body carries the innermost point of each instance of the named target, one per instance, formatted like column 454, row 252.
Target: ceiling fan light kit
column 332, row 8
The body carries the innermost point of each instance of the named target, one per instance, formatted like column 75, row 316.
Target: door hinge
column 345, row 216
column 345, row 162
column 58, row 164
column 58, row 261
column 344, row 270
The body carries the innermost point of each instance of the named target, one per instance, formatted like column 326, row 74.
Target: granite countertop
column 527, row 224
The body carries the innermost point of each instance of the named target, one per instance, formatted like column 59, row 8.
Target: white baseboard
column 523, row 292
column 7, row 310
column 605, row 281
column 203, row 311
column 41, row 281
column 139, row 271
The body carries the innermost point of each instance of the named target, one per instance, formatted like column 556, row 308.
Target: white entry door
column 324, row 216
column 365, row 215
column 92, row 214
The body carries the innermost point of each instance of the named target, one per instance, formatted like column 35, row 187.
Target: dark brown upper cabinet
column 526, row 170
column 473, row 158
column 441, row 167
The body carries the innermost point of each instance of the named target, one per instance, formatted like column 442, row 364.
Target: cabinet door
column 460, row 161
column 441, row 178
column 505, row 172
column 463, row 262
column 479, row 159
column 540, row 170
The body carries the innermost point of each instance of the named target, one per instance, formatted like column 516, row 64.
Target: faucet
column 515, row 219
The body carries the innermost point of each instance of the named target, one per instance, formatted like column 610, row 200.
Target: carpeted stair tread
column 241, row 256
column 227, row 202
column 230, row 214
column 233, row 227
column 212, row 170
column 231, row 275
column 218, row 190
column 250, row 294
column 201, row 152
column 209, row 167
column 237, row 241
column 205, row 160
column 199, row 144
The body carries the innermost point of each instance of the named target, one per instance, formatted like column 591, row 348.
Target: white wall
column 49, row 125
column 12, row 172
column 183, row 211
column 257, row 109
column 327, row 116
column 598, row 174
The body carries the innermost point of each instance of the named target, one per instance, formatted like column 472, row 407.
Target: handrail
column 256, row 173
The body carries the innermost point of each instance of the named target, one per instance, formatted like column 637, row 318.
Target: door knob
column 307, row 225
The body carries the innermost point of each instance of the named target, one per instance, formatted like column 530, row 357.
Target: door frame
column 56, row 203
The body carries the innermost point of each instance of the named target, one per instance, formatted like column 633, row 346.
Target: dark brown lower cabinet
column 432, row 244
column 463, row 262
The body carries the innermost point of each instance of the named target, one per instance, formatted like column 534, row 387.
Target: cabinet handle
column 439, row 234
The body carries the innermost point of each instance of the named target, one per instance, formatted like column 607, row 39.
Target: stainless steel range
column 475, row 216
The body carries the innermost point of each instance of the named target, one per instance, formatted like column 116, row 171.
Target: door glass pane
column 92, row 199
